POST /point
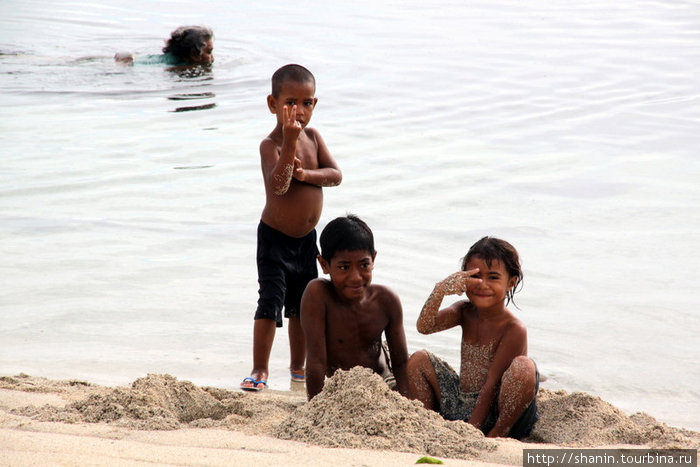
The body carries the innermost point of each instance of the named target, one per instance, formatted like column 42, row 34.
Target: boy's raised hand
column 291, row 129
column 456, row 284
column 290, row 126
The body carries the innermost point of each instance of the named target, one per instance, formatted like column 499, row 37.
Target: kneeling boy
column 343, row 318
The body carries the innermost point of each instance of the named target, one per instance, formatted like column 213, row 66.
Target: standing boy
column 343, row 318
column 295, row 164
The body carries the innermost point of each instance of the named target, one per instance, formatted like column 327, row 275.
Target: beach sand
column 355, row 421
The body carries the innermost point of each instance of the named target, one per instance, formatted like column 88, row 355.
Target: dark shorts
column 285, row 265
column 456, row 404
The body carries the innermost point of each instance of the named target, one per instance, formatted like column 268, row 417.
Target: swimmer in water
column 187, row 45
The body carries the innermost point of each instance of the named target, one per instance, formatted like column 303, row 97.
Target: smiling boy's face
column 351, row 272
column 294, row 93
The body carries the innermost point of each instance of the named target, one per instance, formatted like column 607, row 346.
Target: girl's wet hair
column 494, row 249
column 188, row 40
column 349, row 233
column 293, row 73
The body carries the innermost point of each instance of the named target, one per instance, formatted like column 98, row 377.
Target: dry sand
column 355, row 421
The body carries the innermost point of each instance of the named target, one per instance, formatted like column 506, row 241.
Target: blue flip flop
column 297, row 378
column 255, row 382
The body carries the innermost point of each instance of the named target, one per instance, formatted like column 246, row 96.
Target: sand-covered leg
column 517, row 391
column 422, row 380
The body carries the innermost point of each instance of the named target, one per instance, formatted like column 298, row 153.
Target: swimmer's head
column 492, row 249
column 191, row 44
column 293, row 73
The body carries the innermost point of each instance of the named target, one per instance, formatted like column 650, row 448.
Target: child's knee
column 522, row 365
column 418, row 360
column 521, row 369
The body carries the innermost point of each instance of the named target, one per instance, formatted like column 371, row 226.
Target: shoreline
column 161, row 420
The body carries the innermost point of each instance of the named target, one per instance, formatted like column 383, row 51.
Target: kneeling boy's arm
column 313, row 322
column 396, row 339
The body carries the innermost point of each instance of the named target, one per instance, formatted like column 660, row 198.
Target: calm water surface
column 130, row 196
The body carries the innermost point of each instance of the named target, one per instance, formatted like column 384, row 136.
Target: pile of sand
column 582, row 420
column 357, row 409
column 160, row 402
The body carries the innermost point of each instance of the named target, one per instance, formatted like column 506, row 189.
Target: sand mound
column 357, row 409
column 26, row 383
column 161, row 402
column 582, row 420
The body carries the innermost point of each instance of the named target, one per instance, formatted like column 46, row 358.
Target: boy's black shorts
column 285, row 265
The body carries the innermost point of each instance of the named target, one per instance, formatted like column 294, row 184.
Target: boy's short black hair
column 291, row 72
column 348, row 233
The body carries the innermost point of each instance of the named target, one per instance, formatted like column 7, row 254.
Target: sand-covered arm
column 432, row 318
column 278, row 163
column 396, row 340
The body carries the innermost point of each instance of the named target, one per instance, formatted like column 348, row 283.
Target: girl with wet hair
column 191, row 44
column 187, row 45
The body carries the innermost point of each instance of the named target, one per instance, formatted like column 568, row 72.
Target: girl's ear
column 272, row 104
column 324, row 264
column 512, row 281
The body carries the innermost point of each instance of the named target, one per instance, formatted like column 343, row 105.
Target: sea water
column 130, row 196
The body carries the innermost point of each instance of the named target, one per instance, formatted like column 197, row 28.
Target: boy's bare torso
column 354, row 331
column 297, row 212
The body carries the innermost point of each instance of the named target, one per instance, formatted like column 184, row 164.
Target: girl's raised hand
column 456, row 284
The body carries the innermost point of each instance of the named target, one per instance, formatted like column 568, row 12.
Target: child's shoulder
column 381, row 289
column 270, row 140
column 384, row 294
column 511, row 325
column 312, row 133
column 318, row 286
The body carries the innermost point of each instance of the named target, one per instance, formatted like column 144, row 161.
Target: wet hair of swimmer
column 188, row 41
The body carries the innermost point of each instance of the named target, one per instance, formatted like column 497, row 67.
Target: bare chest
column 482, row 332
column 354, row 338
column 307, row 152
column 476, row 360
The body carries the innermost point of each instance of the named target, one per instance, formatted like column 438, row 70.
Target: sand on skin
column 163, row 421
